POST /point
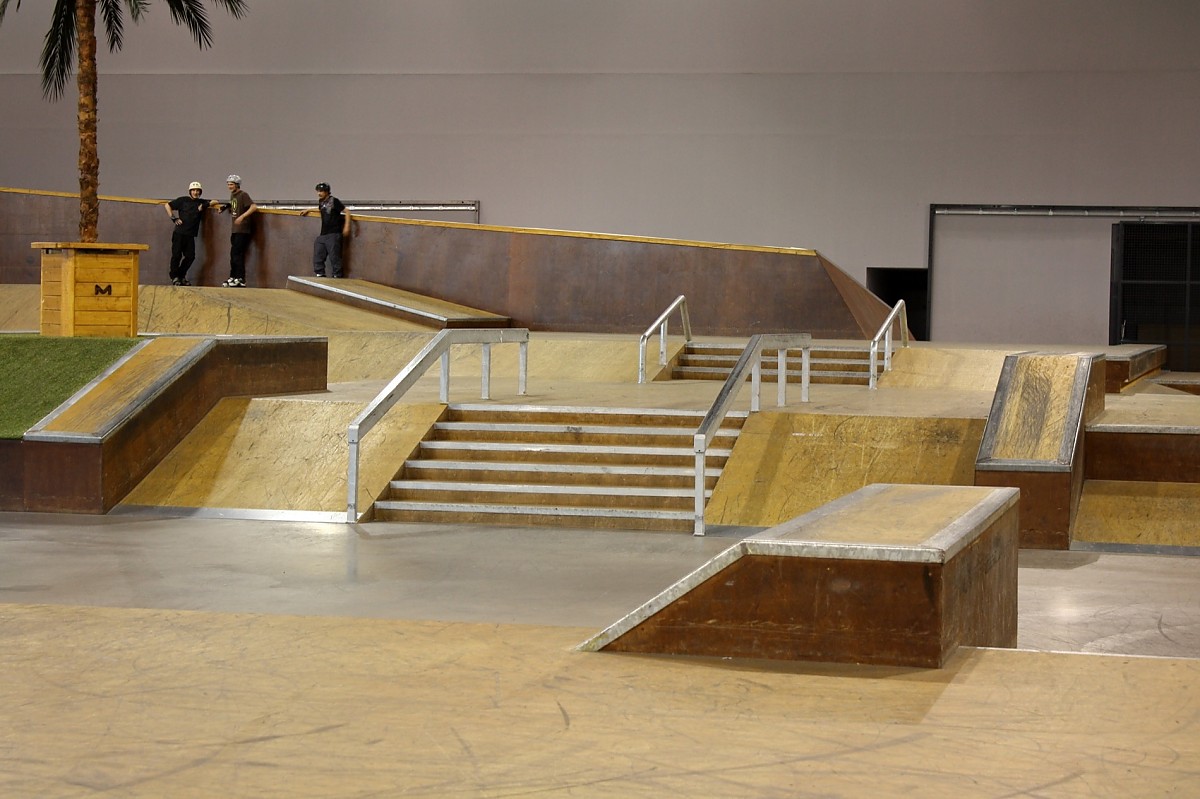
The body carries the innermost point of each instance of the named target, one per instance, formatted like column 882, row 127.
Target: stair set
column 848, row 363
column 570, row 467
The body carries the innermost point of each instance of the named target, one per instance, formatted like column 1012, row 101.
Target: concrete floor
column 1094, row 602
column 148, row 656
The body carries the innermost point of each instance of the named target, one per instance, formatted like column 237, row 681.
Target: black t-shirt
column 332, row 219
column 191, row 211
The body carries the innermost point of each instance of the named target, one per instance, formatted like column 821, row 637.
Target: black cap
column 322, row 187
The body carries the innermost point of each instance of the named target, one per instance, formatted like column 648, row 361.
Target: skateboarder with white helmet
column 186, row 213
column 242, row 209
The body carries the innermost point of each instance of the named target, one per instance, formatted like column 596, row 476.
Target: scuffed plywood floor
column 166, row 703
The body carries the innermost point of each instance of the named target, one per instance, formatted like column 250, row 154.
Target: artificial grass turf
column 38, row 373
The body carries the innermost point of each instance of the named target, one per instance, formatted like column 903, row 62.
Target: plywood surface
column 786, row 464
column 148, row 703
column 282, row 454
column 115, row 394
column 1142, row 513
column 250, row 311
column 893, row 516
column 1033, row 421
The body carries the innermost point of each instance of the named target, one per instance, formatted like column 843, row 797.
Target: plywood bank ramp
column 891, row 574
column 87, row 455
column 252, row 456
column 256, row 312
column 787, row 464
column 396, row 302
column 1033, row 438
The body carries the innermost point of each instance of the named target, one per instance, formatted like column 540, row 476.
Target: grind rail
column 749, row 361
column 438, row 349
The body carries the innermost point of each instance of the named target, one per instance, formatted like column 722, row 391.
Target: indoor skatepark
column 224, row 626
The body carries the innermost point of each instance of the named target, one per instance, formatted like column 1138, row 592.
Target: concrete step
column 535, row 414
column 848, row 349
column 549, row 452
column 770, row 375
column 559, row 473
column 795, row 361
column 571, row 433
column 620, row 468
column 458, row 492
column 567, row 516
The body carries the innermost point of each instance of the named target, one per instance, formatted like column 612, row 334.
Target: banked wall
column 541, row 279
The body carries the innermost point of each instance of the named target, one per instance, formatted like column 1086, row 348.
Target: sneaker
column 318, row 274
column 175, row 281
column 183, row 281
column 237, row 282
column 227, row 284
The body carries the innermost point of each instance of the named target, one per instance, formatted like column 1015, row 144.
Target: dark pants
column 183, row 252
column 328, row 247
column 238, row 244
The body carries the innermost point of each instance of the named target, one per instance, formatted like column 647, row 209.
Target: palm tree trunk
column 89, row 151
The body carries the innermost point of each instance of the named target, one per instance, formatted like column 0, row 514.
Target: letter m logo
column 104, row 290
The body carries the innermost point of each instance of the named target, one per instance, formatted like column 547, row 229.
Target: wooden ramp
column 397, row 302
column 898, row 575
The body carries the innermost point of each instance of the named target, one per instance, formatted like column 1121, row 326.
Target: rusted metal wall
column 544, row 280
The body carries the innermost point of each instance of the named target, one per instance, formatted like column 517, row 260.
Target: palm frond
column 4, row 7
column 114, row 23
column 193, row 15
column 58, row 51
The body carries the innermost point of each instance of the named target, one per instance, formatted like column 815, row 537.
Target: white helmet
column 195, row 184
column 234, row 179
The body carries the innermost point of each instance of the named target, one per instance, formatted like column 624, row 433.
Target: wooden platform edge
column 324, row 289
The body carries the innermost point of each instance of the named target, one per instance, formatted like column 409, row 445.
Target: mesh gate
column 1155, row 292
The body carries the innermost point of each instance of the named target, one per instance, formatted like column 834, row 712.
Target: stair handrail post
column 756, row 381
column 436, row 351
column 662, row 343
column 781, row 354
column 352, row 475
column 700, row 445
column 872, row 380
column 898, row 314
column 486, row 369
column 660, row 324
column 783, row 344
column 523, row 367
column 805, row 371
column 444, row 378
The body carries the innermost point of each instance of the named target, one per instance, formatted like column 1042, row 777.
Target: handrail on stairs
column 885, row 335
column 680, row 302
column 437, row 349
column 750, row 360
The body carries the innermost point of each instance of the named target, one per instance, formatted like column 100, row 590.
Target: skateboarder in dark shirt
column 186, row 214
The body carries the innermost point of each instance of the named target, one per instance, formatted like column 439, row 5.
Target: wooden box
column 89, row 289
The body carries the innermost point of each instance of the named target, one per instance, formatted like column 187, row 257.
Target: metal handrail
column 750, row 360
column 437, row 349
column 885, row 334
column 661, row 323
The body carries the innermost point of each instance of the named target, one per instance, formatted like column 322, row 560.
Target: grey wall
column 1021, row 280
column 811, row 123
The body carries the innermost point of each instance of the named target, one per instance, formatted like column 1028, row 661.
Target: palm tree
column 73, row 23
